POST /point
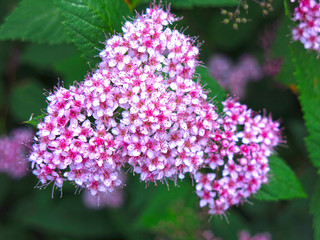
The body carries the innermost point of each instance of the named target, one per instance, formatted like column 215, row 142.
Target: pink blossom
column 307, row 14
column 142, row 109
column 13, row 150
column 238, row 160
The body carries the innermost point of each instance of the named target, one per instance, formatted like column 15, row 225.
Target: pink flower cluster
column 234, row 77
column 307, row 14
column 236, row 157
column 13, row 151
column 243, row 235
column 142, row 109
column 102, row 200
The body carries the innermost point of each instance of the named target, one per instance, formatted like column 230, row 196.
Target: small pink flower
column 308, row 29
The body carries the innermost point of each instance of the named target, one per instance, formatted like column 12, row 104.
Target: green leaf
column 215, row 90
column 161, row 203
column 27, row 98
column 64, row 216
column 282, row 185
column 89, row 21
column 315, row 210
column 195, row 3
column 281, row 49
column 35, row 120
column 203, row 3
column 71, row 69
column 36, row 55
column 36, row 21
column 307, row 73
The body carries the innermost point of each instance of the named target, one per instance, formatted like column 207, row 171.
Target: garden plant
column 177, row 119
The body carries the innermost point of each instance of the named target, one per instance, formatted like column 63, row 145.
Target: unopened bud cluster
column 141, row 109
column 234, row 16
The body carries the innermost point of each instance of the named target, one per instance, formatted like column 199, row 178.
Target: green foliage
column 71, row 69
column 307, row 73
column 36, row 21
column 281, row 49
column 35, row 120
column 216, row 92
column 171, row 212
column 203, row 3
column 156, row 211
column 282, row 185
column 67, row 216
column 44, row 56
column 194, row 3
column 315, row 210
column 26, row 99
column 88, row 22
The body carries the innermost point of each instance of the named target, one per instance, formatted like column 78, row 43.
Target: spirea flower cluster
column 142, row 109
column 13, row 150
column 307, row 14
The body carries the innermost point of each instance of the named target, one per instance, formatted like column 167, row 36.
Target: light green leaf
column 283, row 184
column 89, row 21
column 36, row 21
column 35, row 120
column 307, row 73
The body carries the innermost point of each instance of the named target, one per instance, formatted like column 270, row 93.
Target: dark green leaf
column 307, row 73
column 27, row 99
column 283, row 184
column 44, row 56
column 162, row 202
column 281, row 49
column 315, row 210
column 65, row 216
column 196, row 3
column 37, row 21
column 71, row 69
column 215, row 90
column 89, row 21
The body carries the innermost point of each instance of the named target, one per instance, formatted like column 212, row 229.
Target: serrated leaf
column 215, row 90
column 36, row 21
column 89, row 21
column 315, row 210
column 283, row 184
column 307, row 73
